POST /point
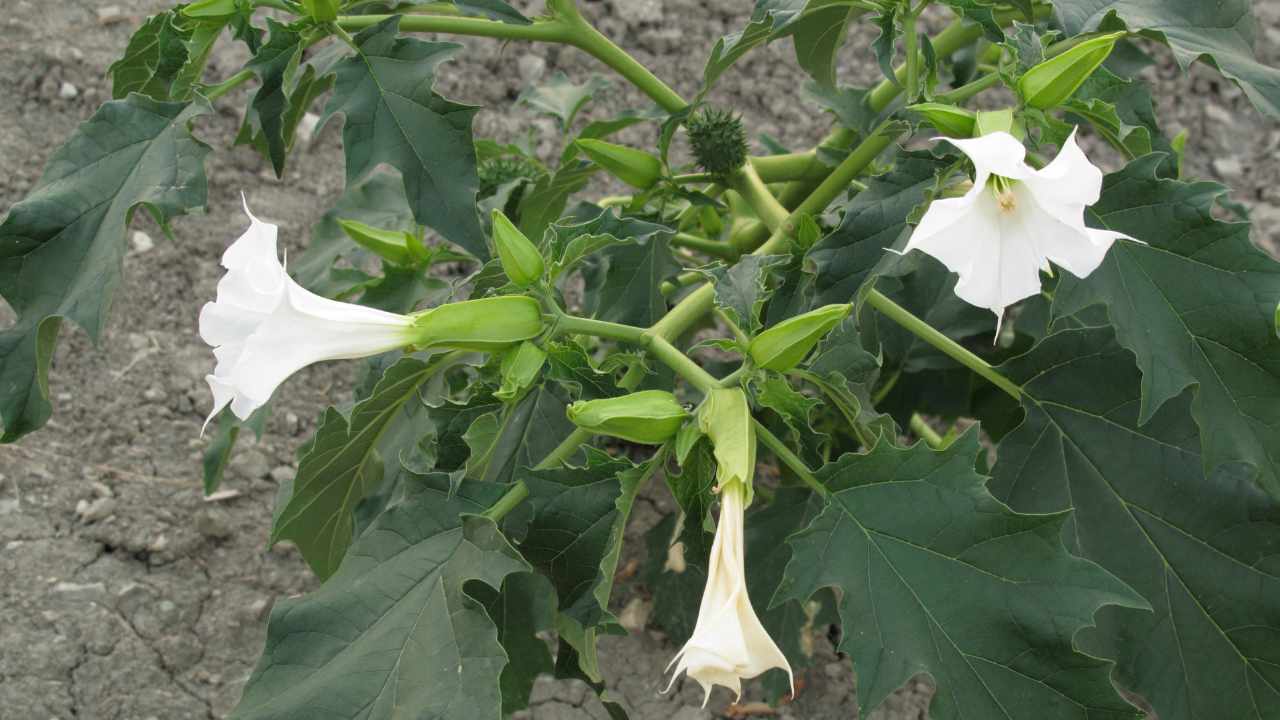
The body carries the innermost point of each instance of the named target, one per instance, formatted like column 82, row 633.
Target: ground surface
column 123, row 594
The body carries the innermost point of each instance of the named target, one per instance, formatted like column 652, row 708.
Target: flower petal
column 950, row 230
column 997, row 153
column 1069, row 180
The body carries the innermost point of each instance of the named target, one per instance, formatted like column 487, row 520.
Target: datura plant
column 938, row 397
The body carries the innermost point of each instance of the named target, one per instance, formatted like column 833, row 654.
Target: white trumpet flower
column 1015, row 220
column 728, row 644
column 264, row 326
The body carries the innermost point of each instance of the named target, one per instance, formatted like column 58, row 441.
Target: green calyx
column 480, row 325
column 321, row 10
column 784, row 345
column 718, row 139
column 634, row 167
column 650, row 417
column 949, row 120
column 992, row 121
column 725, row 418
column 1051, row 82
column 520, row 258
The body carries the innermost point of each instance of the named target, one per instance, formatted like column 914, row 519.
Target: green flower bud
column 725, row 418
column 521, row 260
column 651, row 417
column 520, row 368
column 634, row 167
column 948, row 119
column 718, row 139
column 481, row 325
column 210, row 9
column 1056, row 79
column 990, row 121
column 395, row 246
column 321, row 10
column 784, row 345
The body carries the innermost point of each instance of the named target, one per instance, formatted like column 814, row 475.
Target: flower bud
column 1056, row 79
column 521, row 260
column 520, row 369
column 950, row 120
column 210, row 9
column 651, row 417
column 481, row 325
column 725, row 418
column 784, row 345
column 395, row 246
column 634, row 167
column 719, row 141
column 321, row 10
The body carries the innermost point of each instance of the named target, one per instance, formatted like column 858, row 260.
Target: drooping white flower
column 264, row 326
column 728, row 644
column 1015, row 220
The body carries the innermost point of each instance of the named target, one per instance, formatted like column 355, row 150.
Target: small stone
column 252, row 463
column 834, row 670
column 635, row 615
column 282, row 474
column 90, row 512
column 68, row 91
column 1228, row 167
column 141, row 241
column 110, row 14
column 292, row 423
column 153, row 394
column 531, row 68
column 1220, row 115
column 307, row 128
column 213, row 523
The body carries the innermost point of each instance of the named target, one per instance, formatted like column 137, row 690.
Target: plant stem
column 911, row 41
column 571, row 324
column 585, row 37
column 749, row 185
column 924, row 432
column 738, row 334
column 686, row 368
column 508, row 502
column 934, row 337
column 790, row 459
column 213, row 92
column 789, row 167
column 693, row 178
column 542, row 31
column 968, row 90
column 703, row 245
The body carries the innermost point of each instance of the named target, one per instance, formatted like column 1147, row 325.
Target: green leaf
column 1123, row 111
column 544, row 203
column 1197, row 306
column 939, row 577
column 152, row 60
column 623, row 281
column 394, row 117
column 733, row 46
column 218, row 454
column 525, row 607
column 817, row 33
column 524, row 434
column 981, row 12
column 1200, row 547
column 561, row 98
column 274, row 64
column 492, row 9
column 61, row 249
column 572, row 240
column 339, row 467
column 743, row 288
column 394, row 632
column 885, row 45
column 1221, row 32
column 791, row 405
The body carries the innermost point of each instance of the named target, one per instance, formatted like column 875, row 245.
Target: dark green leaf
column 818, row 34
column 394, row 117
column 1197, row 306
column 393, row 632
column 492, row 9
column 729, row 48
column 1201, row 548
column 274, row 65
column 1123, row 111
column 525, row 607
column 154, row 57
column 885, row 45
column 544, row 203
column 561, row 98
column 61, row 248
column 524, row 434
column 939, row 577
column 743, row 288
column 981, row 12
column 623, row 281
column 1222, row 31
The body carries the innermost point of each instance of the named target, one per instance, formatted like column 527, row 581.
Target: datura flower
column 264, row 326
column 728, row 644
column 1004, row 231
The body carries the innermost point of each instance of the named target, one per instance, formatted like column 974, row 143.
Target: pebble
column 68, row 91
column 1228, row 168
column 141, row 241
column 307, row 128
column 110, row 14
column 282, row 474
column 532, row 68
column 213, row 523
column 99, row 509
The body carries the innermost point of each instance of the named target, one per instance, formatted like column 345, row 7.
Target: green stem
column 686, row 368
column 790, row 459
column 738, row 334
column 789, row 167
column 542, row 31
column 926, row 433
column 508, row 502
column 213, row 92
column 934, row 337
column 585, row 37
column 749, row 185
column 968, row 90
column 703, row 245
column 912, row 42
column 573, row 325
column 693, row 178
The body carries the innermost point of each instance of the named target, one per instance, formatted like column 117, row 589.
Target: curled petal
column 997, row 153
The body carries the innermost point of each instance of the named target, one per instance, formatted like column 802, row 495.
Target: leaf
column 218, row 454
column 733, row 46
column 743, row 288
column 817, row 34
column 1200, row 547
column 792, row 406
column 155, row 55
column 981, row 12
column 492, row 9
column 561, row 98
column 526, row 432
column 572, row 240
column 339, row 467
column 939, row 577
column 393, row 632
column 274, row 63
column 544, row 203
column 394, row 117
column 623, row 282
column 885, row 45
column 1124, row 112
column 525, row 607
column 1197, row 306
column 1220, row 32
column 61, row 249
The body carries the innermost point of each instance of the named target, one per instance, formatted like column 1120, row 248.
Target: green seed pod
column 725, row 418
column 651, row 417
column 395, row 246
column 948, row 119
column 321, row 10
column 784, row 345
column 634, row 167
column 499, row 171
column 1051, row 82
column 521, row 260
column 718, row 139
column 481, row 325
column 520, row 368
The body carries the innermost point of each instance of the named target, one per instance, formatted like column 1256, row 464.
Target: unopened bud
column 395, row 246
column 991, row 121
column 521, row 260
column 949, row 120
column 520, row 368
column 481, row 325
column 634, row 167
column 725, row 418
column 650, row 417
column 210, row 9
column 321, row 10
column 1056, row 79
column 784, row 345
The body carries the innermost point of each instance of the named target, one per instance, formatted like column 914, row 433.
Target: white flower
column 1003, row 232
column 729, row 644
column 264, row 326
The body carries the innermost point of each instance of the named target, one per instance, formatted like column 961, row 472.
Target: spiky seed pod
column 718, row 139
column 501, row 170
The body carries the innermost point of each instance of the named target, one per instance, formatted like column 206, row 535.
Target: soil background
column 123, row 593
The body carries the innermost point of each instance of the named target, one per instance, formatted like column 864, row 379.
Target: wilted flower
column 264, row 326
column 1004, row 231
column 728, row 644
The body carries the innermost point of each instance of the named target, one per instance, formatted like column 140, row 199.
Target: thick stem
column 508, row 502
column 686, row 368
column 749, row 185
column 936, row 338
column 926, row 433
column 789, row 167
column 213, row 92
column 790, row 459
column 968, row 90
column 585, row 37
column 543, row 31
column 703, row 245
column 571, row 324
